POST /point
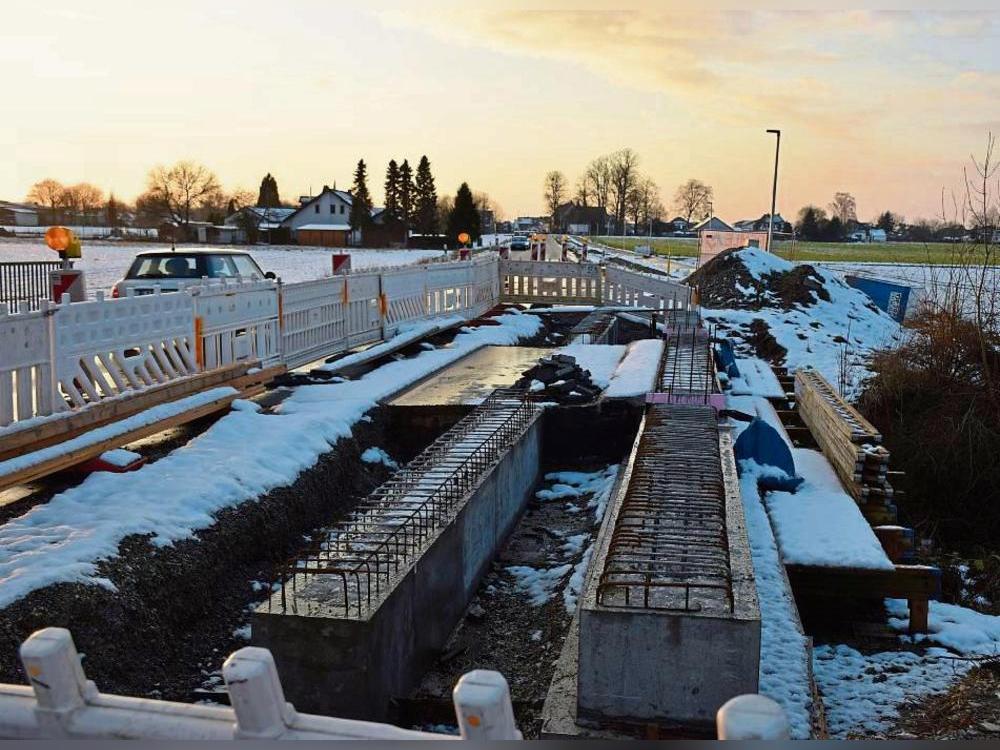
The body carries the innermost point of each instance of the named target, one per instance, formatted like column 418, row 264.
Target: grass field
column 889, row 252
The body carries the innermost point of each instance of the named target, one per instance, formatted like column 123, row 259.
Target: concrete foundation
column 353, row 667
column 669, row 668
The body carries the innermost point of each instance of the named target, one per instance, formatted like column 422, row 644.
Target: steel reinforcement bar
column 360, row 557
column 669, row 548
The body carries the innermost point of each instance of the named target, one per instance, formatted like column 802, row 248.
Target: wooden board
column 71, row 424
column 85, row 453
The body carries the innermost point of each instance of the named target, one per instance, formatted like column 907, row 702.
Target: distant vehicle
column 644, row 251
column 173, row 271
column 519, row 242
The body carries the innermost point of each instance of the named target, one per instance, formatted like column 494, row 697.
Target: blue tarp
column 762, row 443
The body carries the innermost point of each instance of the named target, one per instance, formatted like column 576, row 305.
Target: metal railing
column 393, row 525
column 669, row 547
column 24, row 283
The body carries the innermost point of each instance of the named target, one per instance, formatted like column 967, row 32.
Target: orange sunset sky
column 886, row 105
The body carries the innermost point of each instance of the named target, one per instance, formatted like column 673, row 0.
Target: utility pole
column 774, row 190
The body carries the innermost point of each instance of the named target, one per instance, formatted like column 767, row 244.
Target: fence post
column 483, row 708
column 256, row 695
column 53, row 667
column 751, row 717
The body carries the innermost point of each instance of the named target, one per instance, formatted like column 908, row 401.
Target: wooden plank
column 904, row 582
column 101, row 413
column 78, row 456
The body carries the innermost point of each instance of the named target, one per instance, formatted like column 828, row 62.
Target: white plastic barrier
column 751, row 717
column 313, row 320
column 61, row 703
column 25, row 365
column 538, row 281
column 105, row 347
column 235, row 321
column 624, row 287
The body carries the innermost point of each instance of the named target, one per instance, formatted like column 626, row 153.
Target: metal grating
column 688, row 365
column 669, row 548
column 350, row 567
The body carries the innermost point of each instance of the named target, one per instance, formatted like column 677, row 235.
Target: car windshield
column 180, row 266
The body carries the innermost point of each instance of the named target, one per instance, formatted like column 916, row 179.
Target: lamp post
column 774, row 189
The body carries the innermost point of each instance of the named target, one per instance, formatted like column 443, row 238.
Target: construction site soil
column 725, row 282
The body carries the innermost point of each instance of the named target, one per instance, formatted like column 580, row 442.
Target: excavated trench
column 175, row 612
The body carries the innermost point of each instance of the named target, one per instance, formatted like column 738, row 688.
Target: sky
column 887, row 105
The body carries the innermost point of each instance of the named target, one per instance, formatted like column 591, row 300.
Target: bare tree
column 624, row 173
column 844, row 207
column 598, row 179
column 48, row 193
column 183, row 188
column 644, row 204
column 693, row 200
column 555, row 192
column 583, row 194
column 82, row 201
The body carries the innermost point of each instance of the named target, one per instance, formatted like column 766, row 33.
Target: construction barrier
column 68, row 355
column 61, row 703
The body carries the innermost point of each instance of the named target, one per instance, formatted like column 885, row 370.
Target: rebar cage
column 669, row 547
column 351, row 566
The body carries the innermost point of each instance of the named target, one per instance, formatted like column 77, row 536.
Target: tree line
column 839, row 219
column 188, row 191
column 615, row 184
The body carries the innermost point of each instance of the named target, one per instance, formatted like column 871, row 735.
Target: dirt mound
column 742, row 279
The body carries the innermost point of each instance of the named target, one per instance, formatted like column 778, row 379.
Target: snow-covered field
column 106, row 262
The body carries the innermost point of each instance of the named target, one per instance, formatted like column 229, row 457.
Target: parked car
column 173, row 270
column 519, row 242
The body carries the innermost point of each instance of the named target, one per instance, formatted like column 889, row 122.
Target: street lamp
column 774, row 189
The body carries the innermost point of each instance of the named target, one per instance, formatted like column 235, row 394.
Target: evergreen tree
column 425, row 211
column 361, row 203
column 406, row 191
column 393, row 212
column 268, row 195
column 111, row 212
column 464, row 216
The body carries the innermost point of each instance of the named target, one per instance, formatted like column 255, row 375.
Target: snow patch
column 375, row 455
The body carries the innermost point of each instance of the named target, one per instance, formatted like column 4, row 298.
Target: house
column 530, row 223
column 712, row 224
column 323, row 219
column 680, row 224
column 761, row 225
column 575, row 218
column 18, row 214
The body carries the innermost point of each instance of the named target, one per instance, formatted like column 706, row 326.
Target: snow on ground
column 814, row 335
column 784, row 649
column 105, row 263
column 543, row 583
column 819, row 523
column 756, row 378
column 240, row 457
column 863, row 692
column 120, row 457
column 407, row 333
column 575, row 483
column 600, row 359
column 538, row 584
column 109, row 431
column 636, row 374
column 375, row 455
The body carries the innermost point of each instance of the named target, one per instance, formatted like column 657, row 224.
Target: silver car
column 173, row 270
